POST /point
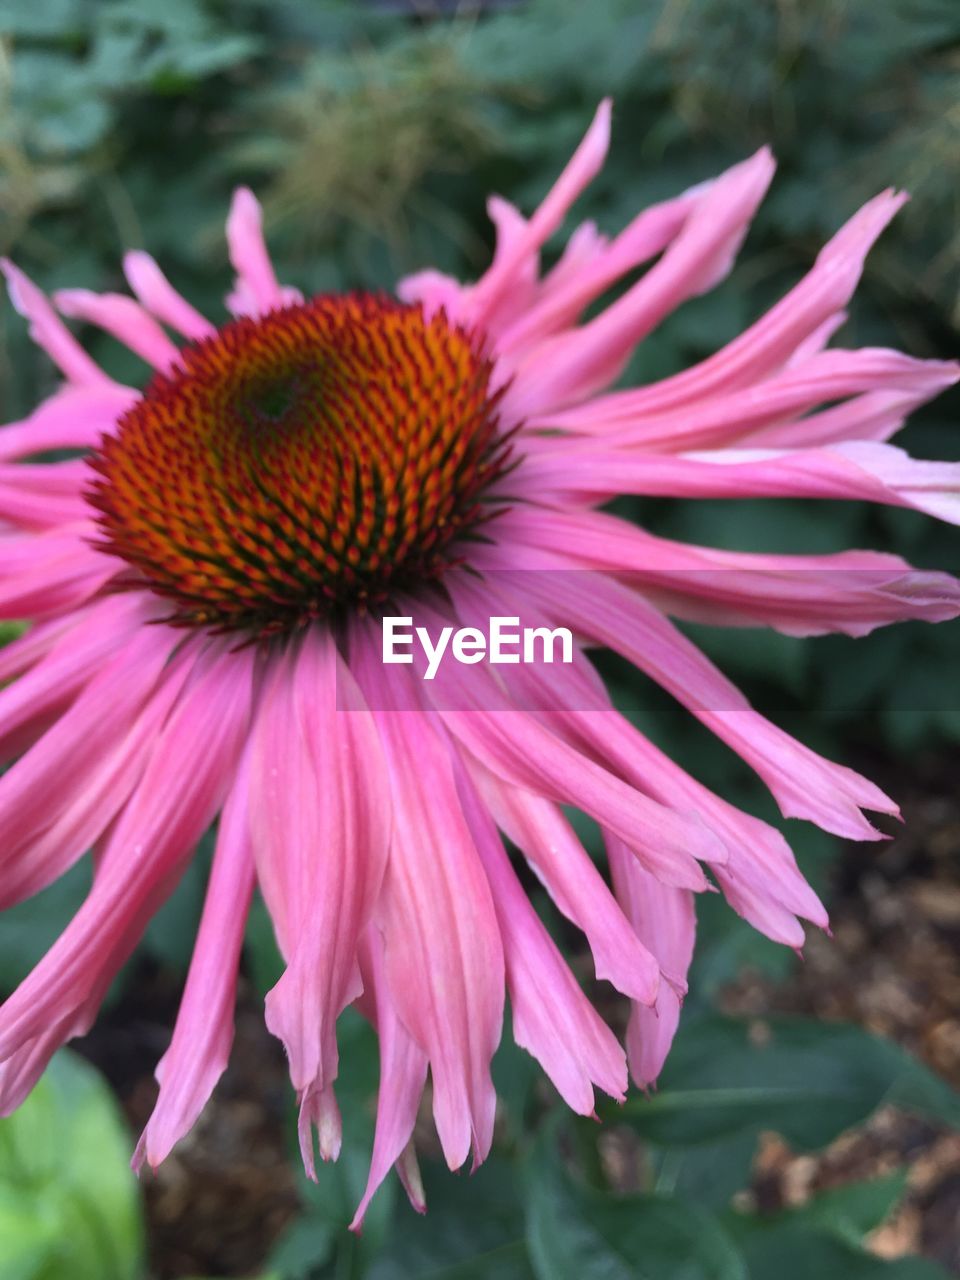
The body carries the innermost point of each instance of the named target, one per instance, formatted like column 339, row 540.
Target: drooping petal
column 403, row 1074
column 804, row 784
column 203, row 1032
column 443, row 955
column 40, row 695
column 758, row 875
column 321, row 825
column 552, row 1018
column 665, row 919
column 177, row 799
column 51, row 572
column 59, row 797
column 513, row 745
column 541, row 832
column 36, row 497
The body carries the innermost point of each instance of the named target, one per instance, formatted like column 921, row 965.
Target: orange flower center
column 319, row 456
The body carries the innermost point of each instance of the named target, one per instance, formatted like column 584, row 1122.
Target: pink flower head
column 206, row 590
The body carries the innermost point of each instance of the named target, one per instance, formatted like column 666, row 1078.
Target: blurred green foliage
column 373, row 139
column 69, row 1205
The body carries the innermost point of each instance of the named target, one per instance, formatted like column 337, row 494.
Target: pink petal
column 434, row 291
column 316, row 784
column 514, row 746
column 159, row 296
column 124, row 320
column 852, row 592
column 585, row 245
column 21, row 1072
column 444, row 960
column 257, row 290
column 203, row 1034
column 804, row 784
column 49, row 331
column 589, row 266
column 50, row 572
column 759, row 874
column 547, row 840
column 75, row 418
column 178, row 797
column 852, row 471
column 19, row 655
column 552, row 1018
column 664, row 918
column 36, row 699
column 403, row 1074
column 574, row 365
column 58, row 798
column 513, row 232
column 582, row 168
column 755, row 411
column 771, row 342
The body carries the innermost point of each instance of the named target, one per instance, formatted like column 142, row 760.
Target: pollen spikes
column 314, row 458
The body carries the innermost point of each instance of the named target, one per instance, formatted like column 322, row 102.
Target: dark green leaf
column 809, row 1081
column 794, row 1253
column 473, row 1230
column 577, row 1233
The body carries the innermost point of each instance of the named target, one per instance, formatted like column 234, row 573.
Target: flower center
column 319, row 456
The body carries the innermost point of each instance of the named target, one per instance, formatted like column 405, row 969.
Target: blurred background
column 807, row 1122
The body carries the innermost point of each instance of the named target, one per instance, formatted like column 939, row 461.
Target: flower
column 205, row 587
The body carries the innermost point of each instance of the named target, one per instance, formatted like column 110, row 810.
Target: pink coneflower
column 206, row 589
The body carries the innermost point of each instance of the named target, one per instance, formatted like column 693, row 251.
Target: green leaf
column 709, row 1174
column 808, row 1080
column 824, row 1237
column 473, row 1230
column 796, row 1253
column 853, row 1211
column 577, row 1233
column 69, row 1204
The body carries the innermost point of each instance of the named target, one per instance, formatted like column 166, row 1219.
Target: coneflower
column 207, row 587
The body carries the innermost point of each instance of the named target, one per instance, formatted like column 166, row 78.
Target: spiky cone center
column 317, row 457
